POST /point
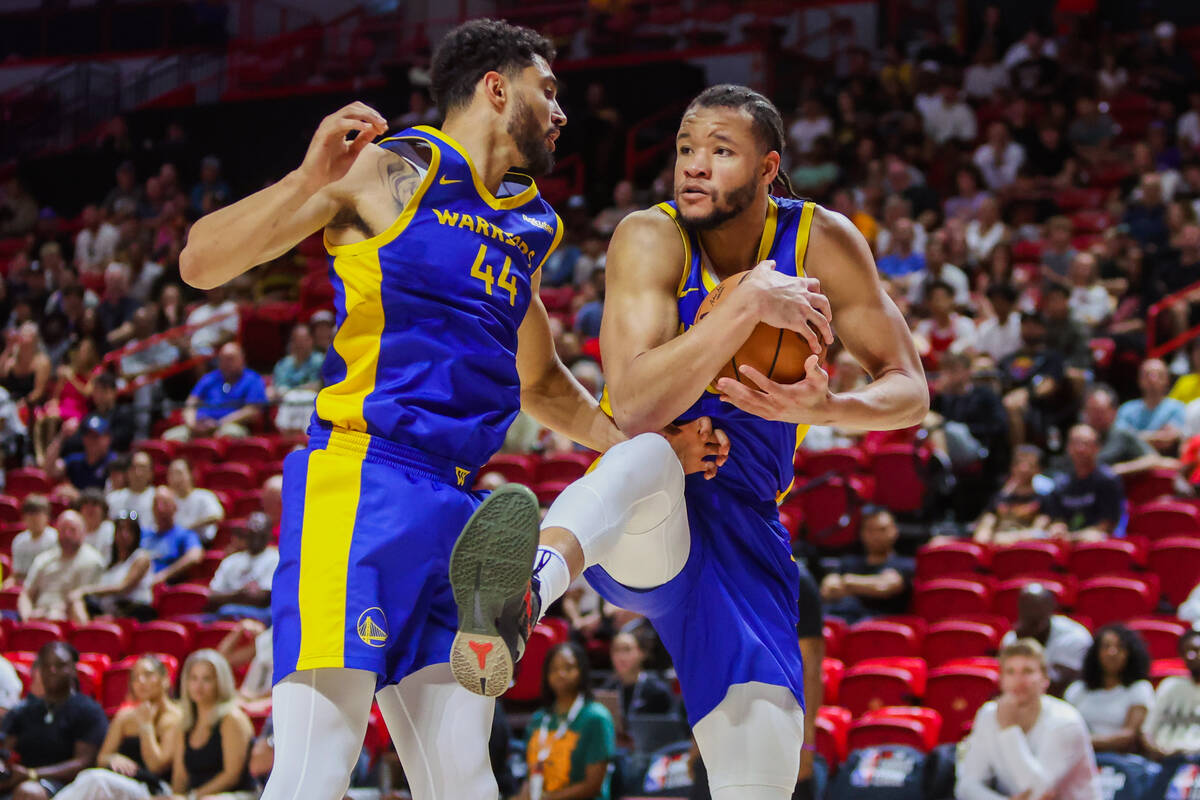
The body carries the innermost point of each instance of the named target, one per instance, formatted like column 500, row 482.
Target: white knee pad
column 751, row 743
column 635, row 488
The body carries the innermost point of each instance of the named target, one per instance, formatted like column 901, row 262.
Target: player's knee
column 648, row 460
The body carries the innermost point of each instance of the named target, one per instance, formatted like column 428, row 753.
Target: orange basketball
column 779, row 354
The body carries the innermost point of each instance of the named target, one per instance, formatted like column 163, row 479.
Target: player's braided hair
column 767, row 121
column 475, row 48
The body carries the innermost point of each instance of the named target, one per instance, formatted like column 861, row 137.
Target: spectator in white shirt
column 1090, row 302
column 948, row 118
column 56, row 572
column 1032, row 44
column 197, row 509
column 139, row 494
column 1173, row 726
column 1188, row 127
column 999, row 157
column 97, row 527
column 985, row 231
column 96, row 244
column 208, row 339
column 242, row 586
column 37, row 538
column 936, row 269
column 11, row 687
column 813, row 123
column 1066, row 642
column 1190, row 610
column 1026, row 744
column 986, row 75
column 1113, row 695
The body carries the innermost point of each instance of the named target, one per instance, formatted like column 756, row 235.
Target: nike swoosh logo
column 445, row 180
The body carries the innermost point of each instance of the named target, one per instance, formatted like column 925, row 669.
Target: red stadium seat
column 1143, row 487
column 832, row 630
column 1164, row 518
column 563, row 467
column 877, row 639
column 26, row 481
column 1090, row 559
column 1004, row 601
column 161, row 451
column 557, row 298
column 1109, row 599
column 548, row 491
column 527, row 683
column 90, row 680
column 957, row 692
column 211, row 634
column 251, row 450
column 900, row 483
column 886, row 682
column 1023, row 558
column 1161, row 635
column 1027, row 250
column 161, row 637
column 832, row 671
column 913, row 726
column 560, row 626
column 244, row 504
column 10, row 509
column 186, row 598
column 948, row 597
column 952, row 559
column 514, row 468
column 8, row 598
column 203, row 451
column 839, row 461
column 833, row 730
column 954, row 638
column 230, row 477
column 100, row 637
column 1166, row 668
column 1176, row 562
column 33, row 634
column 831, row 509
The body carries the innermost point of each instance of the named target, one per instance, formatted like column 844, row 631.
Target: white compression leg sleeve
column 441, row 733
column 320, row 718
column 628, row 513
column 751, row 743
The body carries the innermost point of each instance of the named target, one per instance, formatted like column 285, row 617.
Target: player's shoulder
column 649, row 228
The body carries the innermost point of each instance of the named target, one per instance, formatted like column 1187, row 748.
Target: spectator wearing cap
column 296, row 380
column 138, row 493
column 97, row 527
column 211, row 192
column 225, row 402
column 219, row 320
column 87, row 469
column 197, row 509
column 37, row 538
column 1157, row 418
column 321, row 325
column 73, row 562
column 174, row 550
column 241, row 586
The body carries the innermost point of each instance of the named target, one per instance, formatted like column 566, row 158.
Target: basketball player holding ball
column 708, row 561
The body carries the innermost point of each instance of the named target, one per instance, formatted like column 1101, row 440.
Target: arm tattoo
column 402, row 181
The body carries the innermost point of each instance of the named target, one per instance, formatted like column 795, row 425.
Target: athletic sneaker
column 498, row 604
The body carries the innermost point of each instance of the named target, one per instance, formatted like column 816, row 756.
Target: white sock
column 551, row 570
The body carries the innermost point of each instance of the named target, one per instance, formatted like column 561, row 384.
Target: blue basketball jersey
column 428, row 311
column 761, row 457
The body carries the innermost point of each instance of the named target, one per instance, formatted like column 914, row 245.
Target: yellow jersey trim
column 687, row 246
column 498, row 203
column 558, row 235
column 769, row 230
column 396, row 228
column 357, row 341
column 802, row 232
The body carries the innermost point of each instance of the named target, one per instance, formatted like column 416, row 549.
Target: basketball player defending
column 711, row 566
column 435, row 250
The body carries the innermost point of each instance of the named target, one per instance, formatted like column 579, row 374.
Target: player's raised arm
column 873, row 330
column 227, row 242
column 654, row 373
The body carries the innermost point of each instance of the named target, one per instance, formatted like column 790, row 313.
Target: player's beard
column 530, row 138
column 739, row 200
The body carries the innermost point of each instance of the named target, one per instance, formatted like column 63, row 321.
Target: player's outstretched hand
column 699, row 446
column 784, row 301
column 329, row 154
column 803, row 402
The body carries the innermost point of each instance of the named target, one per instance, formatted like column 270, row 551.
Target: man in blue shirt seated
column 175, row 550
column 1088, row 501
column 1158, row 419
column 88, row 468
column 225, row 401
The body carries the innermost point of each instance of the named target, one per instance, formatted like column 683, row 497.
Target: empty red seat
column 1160, row 635
column 832, row 670
column 1143, row 487
column 10, row 509
column 832, row 630
column 203, row 451
column 161, row 636
column 548, row 491
column 211, row 634
column 32, row 635
column 878, row 639
column 527, row 683
column 230, row 477
column 89, row 679
column 913, row 726
column 1023, row 558
column 947, row 597
column 951, row 559
column 100, row 637
column 1105, row 557
column 563, row 467
column 1110, row 599
column 1176, row 562
column 832, row 511
column 955, row 638
column 161, row 451
column 186, row 598
column 515, row 468
column 900, row 482
column 887, row 682
column 1167, row 668
column 1004, row 601
column 251, row 450
column 957, row 692
column 839, row 461
column 833, row 730
column 27, row 480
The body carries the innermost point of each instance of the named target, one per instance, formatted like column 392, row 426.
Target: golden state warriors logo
column 372, row 627
column 461, row 474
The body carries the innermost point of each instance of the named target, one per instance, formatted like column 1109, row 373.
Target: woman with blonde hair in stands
column 211, row 755
column 137, row 752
